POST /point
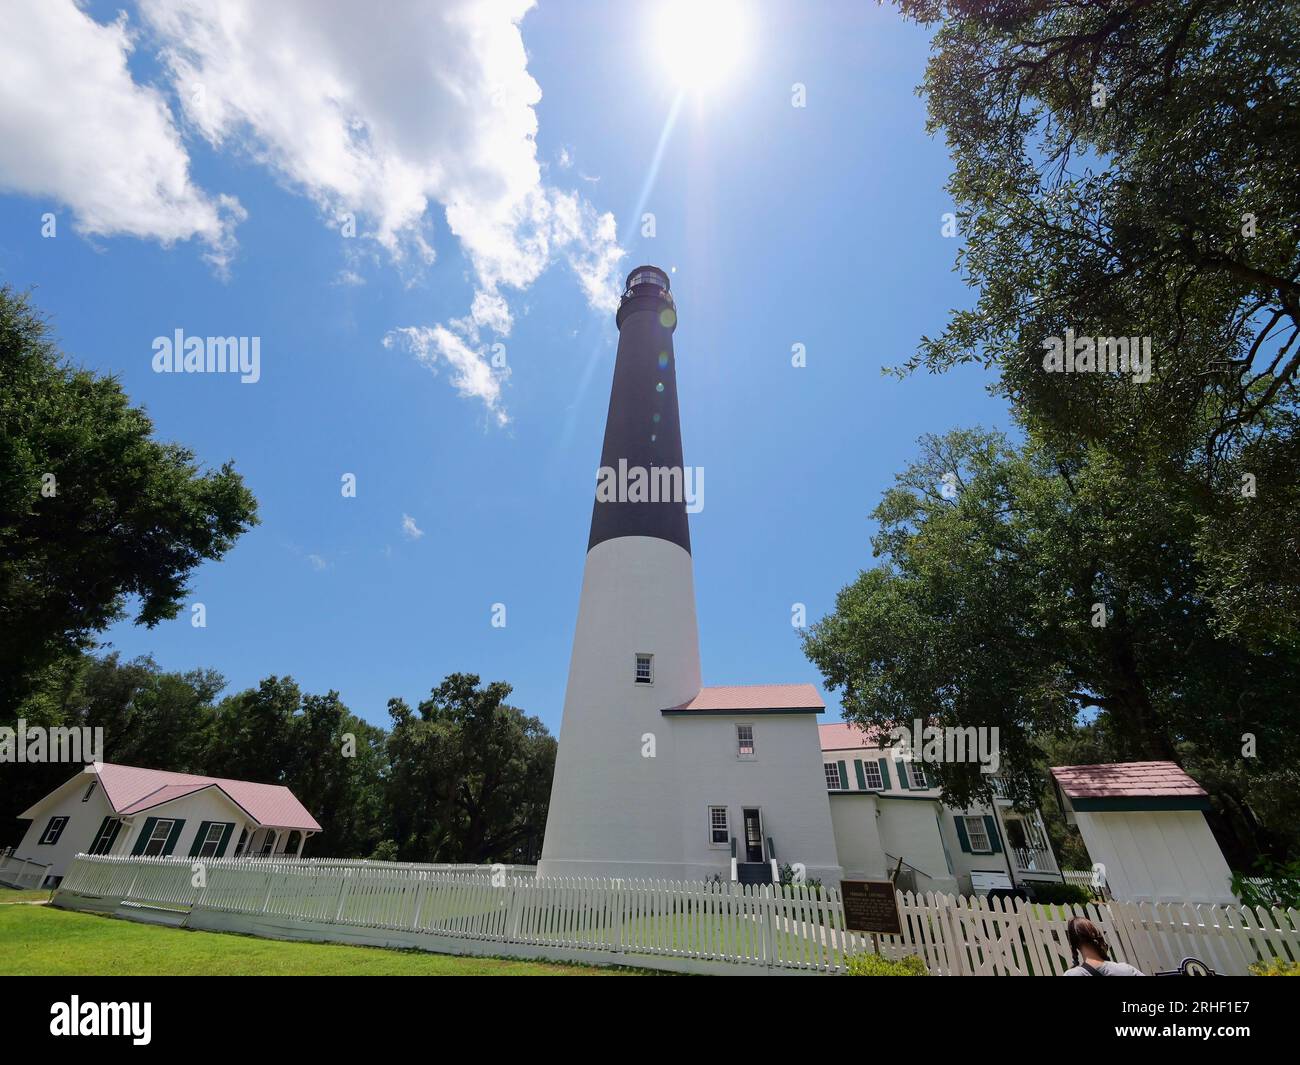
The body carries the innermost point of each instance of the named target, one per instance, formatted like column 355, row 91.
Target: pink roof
column 841, row 736
column 1126, row 780
column 743, row 697
column 131, row 790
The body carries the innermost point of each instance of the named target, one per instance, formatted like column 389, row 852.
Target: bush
column 1061, row 894
column 812, row 883
column 1281, row 887
column 1275, row 967
column 875, row 965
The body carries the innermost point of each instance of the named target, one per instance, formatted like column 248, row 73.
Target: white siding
column 1157, row 855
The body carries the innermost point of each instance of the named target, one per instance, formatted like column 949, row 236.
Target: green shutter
column 174, row 838
column 199, row 837
column 884, row 773
column 225, row 838
column 844, row 776
column 962, row 838
column 99, row 832
column 931, row 778
column 862, row 776
column 112, row 840
column 991, row 825
column 146, row 831
column 904, row 776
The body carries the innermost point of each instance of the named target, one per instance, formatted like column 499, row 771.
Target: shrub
column 1275, row 967
column 1061, row 894
column 812, row 883
column 1281, row 886
column 875, row 965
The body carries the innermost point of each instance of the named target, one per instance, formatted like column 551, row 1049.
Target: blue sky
column 817, row 225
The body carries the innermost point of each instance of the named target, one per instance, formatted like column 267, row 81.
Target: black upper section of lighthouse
column 642, row 430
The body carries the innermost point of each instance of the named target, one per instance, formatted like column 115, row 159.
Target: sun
column 700, row 43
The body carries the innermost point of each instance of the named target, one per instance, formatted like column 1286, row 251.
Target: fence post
column 951, row 929
column 343, row 895
column 513, row 910
column 769, row 940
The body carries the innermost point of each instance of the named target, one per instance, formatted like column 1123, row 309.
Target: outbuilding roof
column 1129, row 785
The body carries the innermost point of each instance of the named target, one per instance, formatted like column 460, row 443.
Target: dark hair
column 1081, row 930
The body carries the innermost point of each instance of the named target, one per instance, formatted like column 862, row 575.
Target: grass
column 9, row 896
column 43, row 941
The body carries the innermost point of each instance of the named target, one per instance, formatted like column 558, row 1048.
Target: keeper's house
column 885, row 809
column 120, row 809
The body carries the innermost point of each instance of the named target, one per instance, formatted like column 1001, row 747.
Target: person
column 1085, row 939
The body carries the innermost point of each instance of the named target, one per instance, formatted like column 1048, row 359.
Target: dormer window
column 645, row 673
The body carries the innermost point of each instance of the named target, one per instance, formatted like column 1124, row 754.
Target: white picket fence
column 18, row 872
column 959, row 936
column 726, row 927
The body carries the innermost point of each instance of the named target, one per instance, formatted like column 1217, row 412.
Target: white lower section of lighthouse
column 634, row 788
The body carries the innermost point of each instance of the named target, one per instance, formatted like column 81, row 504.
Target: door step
column 754, row 872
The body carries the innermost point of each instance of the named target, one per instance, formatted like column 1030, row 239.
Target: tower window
column 90, row 791
column 745, row 741
column 645, row 673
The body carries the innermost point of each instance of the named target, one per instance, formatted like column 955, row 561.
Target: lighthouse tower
column 636, row 648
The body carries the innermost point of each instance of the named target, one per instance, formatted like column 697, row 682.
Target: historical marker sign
column 870, row 906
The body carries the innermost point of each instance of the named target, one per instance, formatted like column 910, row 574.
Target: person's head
column 1082, row 932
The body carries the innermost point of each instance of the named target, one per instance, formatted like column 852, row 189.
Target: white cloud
column 409, row 529
column 76, row 128
column 471, row 372
column 318, row 563
column 386, row 112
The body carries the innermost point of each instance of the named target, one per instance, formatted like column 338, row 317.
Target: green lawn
column 9, row 895
column 43, row 941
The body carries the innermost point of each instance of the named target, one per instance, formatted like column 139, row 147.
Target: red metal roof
column 1116, row 780
column 131, row 790
column 743, row 697
column 841, row 736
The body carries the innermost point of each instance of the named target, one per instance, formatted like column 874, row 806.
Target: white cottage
column 121, row 809
column 1144, row 823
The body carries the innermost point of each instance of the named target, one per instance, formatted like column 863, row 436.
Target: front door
column 753, row 836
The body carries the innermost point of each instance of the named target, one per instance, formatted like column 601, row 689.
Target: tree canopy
column 92, row 508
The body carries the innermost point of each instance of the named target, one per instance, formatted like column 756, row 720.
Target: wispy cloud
column 409, row 529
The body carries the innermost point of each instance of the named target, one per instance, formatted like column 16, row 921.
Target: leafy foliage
column 92, row 509
column 1046, row 589
column 1132, row 168
column 875, row 965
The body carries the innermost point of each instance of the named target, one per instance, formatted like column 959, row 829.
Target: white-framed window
column 745, row 742
column 212, row 840
column 833, row 776
column 719, row 834
column 916, row 775
column 104, row 840
column 268, row 844
column 158, row 838
column 90, row 791
column 53, row 830
column 977, row 833
column 645, row 669
column 871, row 773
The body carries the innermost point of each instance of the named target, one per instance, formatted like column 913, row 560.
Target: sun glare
column 700, row 42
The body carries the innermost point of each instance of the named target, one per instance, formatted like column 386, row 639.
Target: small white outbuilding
column 1144, row 822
